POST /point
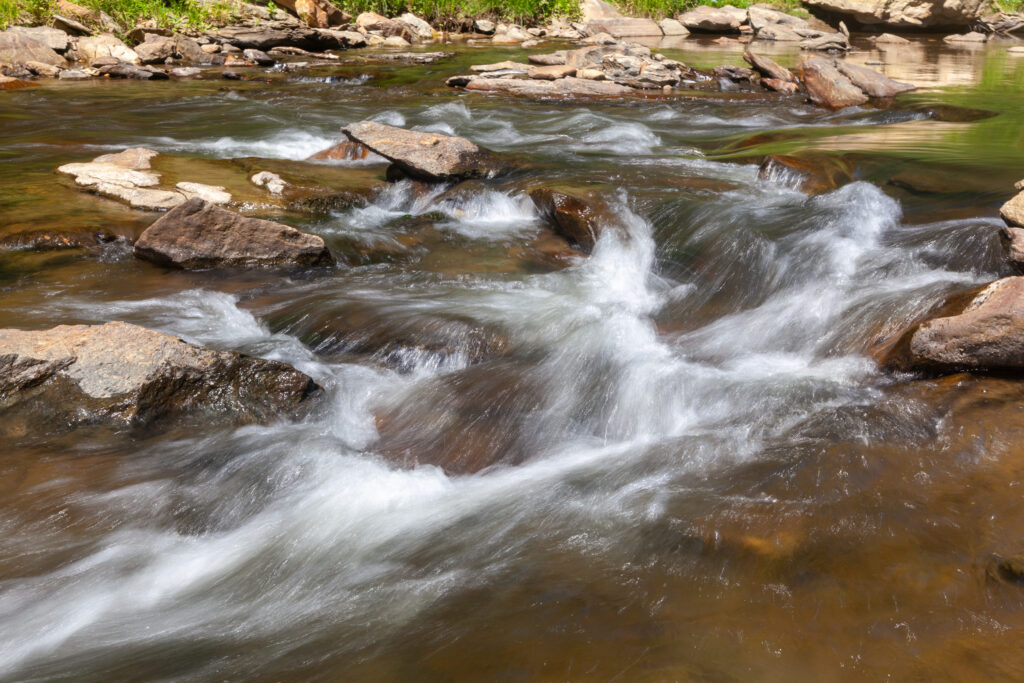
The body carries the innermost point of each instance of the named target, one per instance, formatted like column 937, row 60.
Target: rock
column 188, row 50
column 705, row 19
column 44, row 240
column 124, row 375
column 210, row 48
column 672, row 27
column 9, row 83
column 418, row 28
column 512, row 35
column 637, row 72
column 258, row 57
column 578, row 218
column 73, row 75
column 105, row 45
column 70, row 25
column 198, row 235
column 768, row 67
column 427, row 156
column 124, row 182
column 500, row 66
column 317, row 13
column 214, row 194
column 1013, row 244
column 1013, row 211
column 972, row 37
column 551, row 73
column 264, row 38
column 126, row 70
column 734, row 73
column 598, row 9
column 41, row 69
column 761, row 17
column 602, row 39
column 134, row 158
column 779, row 33
column 185, row 72
column 591, row 74
column 138, row 34
column 564, row 87
column 273, row 182
column 871, row 82
column 231, row 75
column 346, row 150
column 155, row 50
column 625, row 28
column 552, row 59
column 779, row 85
column 395, row 41
column 371, row 21
column 889, row 39
column 830, row 42
column 53, row 38
column 905, row 13
column 484, row 26
column 18, row 47
column 826, row 86
column 987, row 335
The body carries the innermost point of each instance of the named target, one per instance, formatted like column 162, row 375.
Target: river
column 676, row 459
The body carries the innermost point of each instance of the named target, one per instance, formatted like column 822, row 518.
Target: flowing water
column 673, row 460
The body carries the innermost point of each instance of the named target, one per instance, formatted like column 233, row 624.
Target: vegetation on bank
column 201, row 14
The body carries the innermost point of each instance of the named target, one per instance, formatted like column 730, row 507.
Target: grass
column 450, row 12
column 171, row 14
column 659, row 9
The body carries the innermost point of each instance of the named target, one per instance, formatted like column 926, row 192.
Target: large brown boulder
column 987, row 335
column 871, row 82
column 827, row 86
column 317, row 13
column 427, row 156
column 625, row 28
column 198, row 234
column 903, row 13
column 17, row 47
column 1013, row 211
column 124, row 375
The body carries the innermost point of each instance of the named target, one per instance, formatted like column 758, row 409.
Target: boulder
column 10, row 83
column 371, row 21
column 185, row 72
column 188, row 50
column 706, row 19
column 829, row 42
column 419, row 29
column 828, row 87
column 871, row 82
column 346, row 150
column 904, row 13
column 563, row 87
column 779, row 33
column 779, row 85
column 578, row 217
column 672, row 27
column 501, row 66
column 264, row 38
column 198, row 234
column 105, row 45
column 155, row 49
column 1013, row 244
column 258, row 57
column 973, row 37
column 70, row 25
column 484, row 26
column 316, row 13
column 41, row 69
column 127, row 70
column 760, row 17
column 625, row 28
column 1013, row 211
column 510, row 35
column 768, row 68
column 551, row 59
column 53, row 38
column 427, row 156
column 271, row 181
column 18, row 47
column 396, row 41
column 123, row 375
column 987, row 335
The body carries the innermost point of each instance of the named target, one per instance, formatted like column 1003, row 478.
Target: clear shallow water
column 675, row 459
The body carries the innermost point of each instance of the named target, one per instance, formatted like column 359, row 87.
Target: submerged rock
column 827, row 86
column 988, row 334
column 198, row 234
column 125, row 375
column 578, row 217
column 427, row 156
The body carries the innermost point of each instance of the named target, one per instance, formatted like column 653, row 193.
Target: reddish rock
column 769, row 68
column 580, row 218
column 871, row 82
column 828, row 87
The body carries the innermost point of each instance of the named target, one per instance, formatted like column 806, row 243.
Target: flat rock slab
column 768, row 68
column 871, row 82
column 564, row 87
column 199, row 235
column 125, row 375
column 427, row 156
column 827, row 87
column 987, row 335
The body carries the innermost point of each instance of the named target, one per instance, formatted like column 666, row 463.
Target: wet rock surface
column 198, row 234
column 125, row 375
column 827, row 86
column 428, row 156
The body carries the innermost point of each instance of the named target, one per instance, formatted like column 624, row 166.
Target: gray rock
column 17, row 48
column 906, row 13
column 198, row 235
column 705, row 19
column 871, row 82
column 53, row 38
column 121, row 375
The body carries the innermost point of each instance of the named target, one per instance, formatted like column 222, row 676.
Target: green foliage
column 669, row 8
column 451, row 12
column 172, row 14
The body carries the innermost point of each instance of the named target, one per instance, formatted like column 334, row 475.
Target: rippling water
column 674, row 459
